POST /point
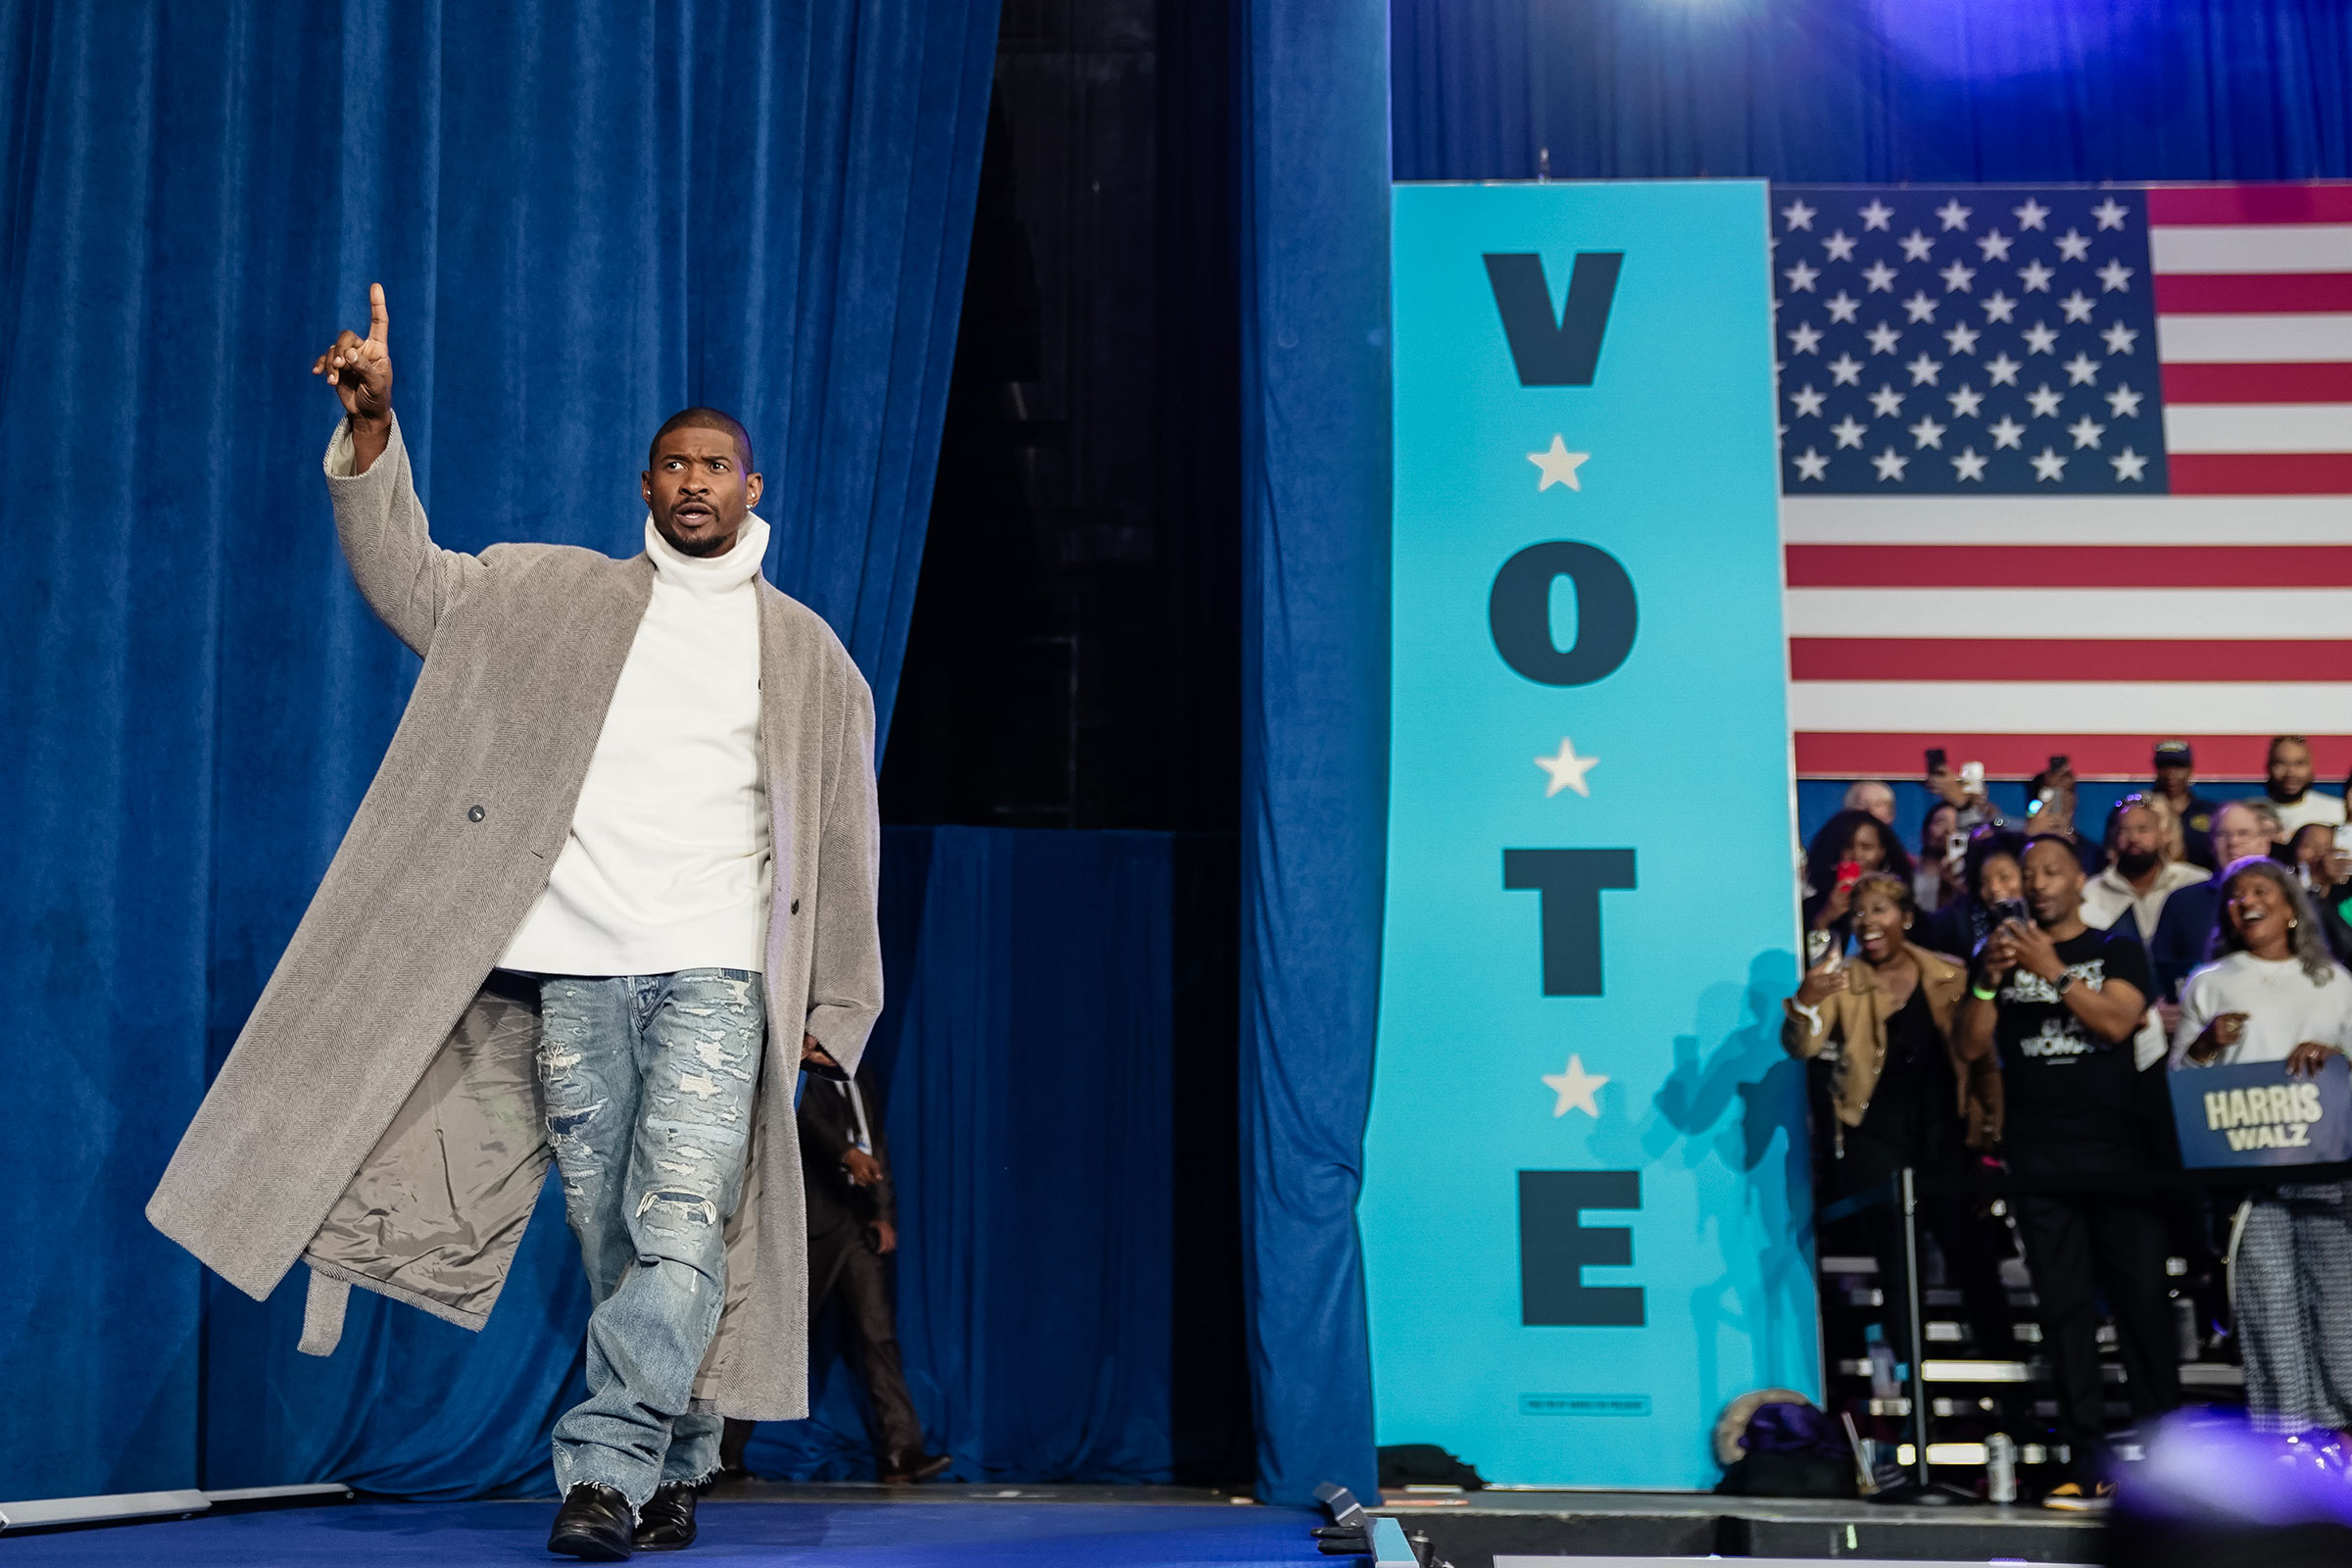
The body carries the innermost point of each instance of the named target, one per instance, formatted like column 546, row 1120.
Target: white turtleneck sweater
column 667, row 866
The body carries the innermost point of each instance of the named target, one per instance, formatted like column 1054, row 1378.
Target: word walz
column 2277, row 1117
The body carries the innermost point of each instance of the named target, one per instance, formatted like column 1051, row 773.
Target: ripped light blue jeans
column 648, row 1082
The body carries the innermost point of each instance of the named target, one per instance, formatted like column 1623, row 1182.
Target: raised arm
column 845, row 979
column 407, row 580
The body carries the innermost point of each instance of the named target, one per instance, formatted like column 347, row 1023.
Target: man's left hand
column 863, row 1168
column 2035, row 953
column 886, row 1237
column 811, row 1050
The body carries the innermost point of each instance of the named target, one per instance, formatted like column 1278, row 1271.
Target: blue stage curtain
column 586, row 215
column 1029, row 1067
column 1314, row 226
column 1866, row 91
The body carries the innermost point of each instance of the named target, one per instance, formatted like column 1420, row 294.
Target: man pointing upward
column 611, row 888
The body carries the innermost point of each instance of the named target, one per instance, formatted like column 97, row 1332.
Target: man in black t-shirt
column 2060, row 1001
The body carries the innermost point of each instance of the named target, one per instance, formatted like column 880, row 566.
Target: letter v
column 1546, row 353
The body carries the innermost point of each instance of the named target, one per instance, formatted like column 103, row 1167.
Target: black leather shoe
column 915, row 1467
column 666, row 1520
column 594, row 1524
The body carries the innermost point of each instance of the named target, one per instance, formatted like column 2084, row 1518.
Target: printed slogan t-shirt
column 2061, row 1082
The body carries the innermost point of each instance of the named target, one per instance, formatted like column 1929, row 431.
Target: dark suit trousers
column 842, row 1262
column 2077, row 1244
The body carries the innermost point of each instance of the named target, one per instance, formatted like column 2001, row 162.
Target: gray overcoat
column 380, row 1119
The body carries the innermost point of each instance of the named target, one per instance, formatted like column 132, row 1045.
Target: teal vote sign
column 1587, row 1212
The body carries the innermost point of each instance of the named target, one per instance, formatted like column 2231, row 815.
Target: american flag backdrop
column 2065, row 470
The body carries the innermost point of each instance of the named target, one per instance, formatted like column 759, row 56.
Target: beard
column 2136, row 863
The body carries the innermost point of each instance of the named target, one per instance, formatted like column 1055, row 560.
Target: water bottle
column 2000, row 1468
column 1883, row 1382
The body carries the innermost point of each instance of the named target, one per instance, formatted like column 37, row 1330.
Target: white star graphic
column 2115, row 277
column 1806, row 339
column 1883, row 338
column 2085, row 433
column 1955, row 215
column 2074, row 246
column 1994, row 244
column 1916, row 246
column 1920, row 308
column 1966, row 465
column 2030, row 215
column 1923, row 371
column 1842, row 306
column 1850, row 432
column 2006, row 433
column 1811, row 464
column 1926, row 433
column 1965, row 402
column 1998, row 307
column 2076, row 306
column 2110, row 213
column 2125, row 401
column 1559, row 465
column 1567, row 770
column 1962, row 337
column 2128, row 465
column 1879, row 275
column 1888, row 402
column 2040, row 340
column 2003, row 369
column 1957, row 278
column 1889, row 464
column 1575, row 1087
column 1797, row 214
column 1801, row 276
column 1845, row 370
column 2036, row 276
column 1875, row 215
column 2081, row 370
column 1805, row 402
column 2044, row 401
column 2048, row 466
column 1840, row 245
column 2120, row 338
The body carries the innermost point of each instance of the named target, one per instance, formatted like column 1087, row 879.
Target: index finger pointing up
column 376, row 321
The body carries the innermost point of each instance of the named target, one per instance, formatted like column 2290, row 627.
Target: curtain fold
column 586, row 215
column 1315, row 285
column 1875, row 91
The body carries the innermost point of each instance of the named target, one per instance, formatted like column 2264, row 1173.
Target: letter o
column 1519, row 614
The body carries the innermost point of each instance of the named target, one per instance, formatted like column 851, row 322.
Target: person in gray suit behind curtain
column 853, row 1229
column 610, row 891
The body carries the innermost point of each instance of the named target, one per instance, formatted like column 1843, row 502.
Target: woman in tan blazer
column 1902, row 1093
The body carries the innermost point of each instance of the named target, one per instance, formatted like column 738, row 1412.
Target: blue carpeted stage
column 840, row 1535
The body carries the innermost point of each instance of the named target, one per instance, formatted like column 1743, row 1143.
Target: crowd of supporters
column 2016, row 995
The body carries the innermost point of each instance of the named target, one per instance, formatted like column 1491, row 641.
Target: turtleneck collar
column 710, row 574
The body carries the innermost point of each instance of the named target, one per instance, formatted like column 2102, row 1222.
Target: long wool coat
column 380, row 1119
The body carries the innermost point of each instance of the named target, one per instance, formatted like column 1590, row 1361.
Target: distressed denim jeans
column 648, row 1081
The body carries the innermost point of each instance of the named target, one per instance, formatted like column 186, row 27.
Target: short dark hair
column 700, row 417
column 2278, row 741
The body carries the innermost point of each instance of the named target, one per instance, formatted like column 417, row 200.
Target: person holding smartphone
column 1848, row 845
column 1991, row 877
column 2276, row 994
column 2059, row 1000
column 1901, row 1093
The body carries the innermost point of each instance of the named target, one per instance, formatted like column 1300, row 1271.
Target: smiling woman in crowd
column 2276, row 994
column 1900, row 1094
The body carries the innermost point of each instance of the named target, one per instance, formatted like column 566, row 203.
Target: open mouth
column 694, row 511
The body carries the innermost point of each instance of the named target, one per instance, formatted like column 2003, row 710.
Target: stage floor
column 842, row 1526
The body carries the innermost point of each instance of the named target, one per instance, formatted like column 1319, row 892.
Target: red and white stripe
column 2005, row 628
column 2008, row 629
column 2254, row 332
